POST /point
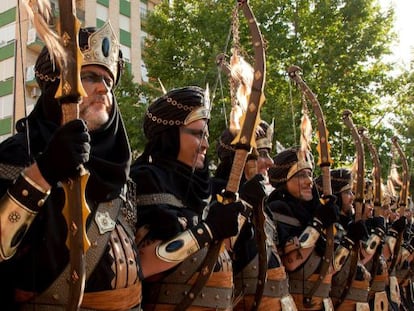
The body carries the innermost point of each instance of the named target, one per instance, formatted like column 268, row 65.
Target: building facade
column 20, row 45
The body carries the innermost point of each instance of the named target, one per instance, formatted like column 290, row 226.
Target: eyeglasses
column 199, row 133
column 92, row 77
column 263, row 153
column 348, row 192
column 303, row 174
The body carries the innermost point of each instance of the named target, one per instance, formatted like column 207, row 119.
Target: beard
column 95, row 112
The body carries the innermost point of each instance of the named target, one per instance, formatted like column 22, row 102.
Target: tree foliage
column 339, row 44
column 128, row 94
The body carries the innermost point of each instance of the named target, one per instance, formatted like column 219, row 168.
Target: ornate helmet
column 176, row 108
column 341, row 180
column 98, row 47
column 102, row 49
column 264, row 135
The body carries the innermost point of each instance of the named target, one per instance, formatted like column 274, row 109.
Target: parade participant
column 244, row 249
column 225, row 154
column 43, row 154
column 371, row 251
column 396, row 229
column 172, row 234
column 342, row 189
column 394, row 240
column 348, row 233
column 405, row 263
column 300, row 219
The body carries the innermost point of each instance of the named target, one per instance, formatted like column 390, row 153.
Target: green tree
column 130, row 97
column 339, row 44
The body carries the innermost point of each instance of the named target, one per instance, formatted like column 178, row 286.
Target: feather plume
column 354, row 172
column 164, row 91
column 242, row 74
column 207, row 101
column 391, row 188
column 40, row 13
column 395, row 176
column 305, row 133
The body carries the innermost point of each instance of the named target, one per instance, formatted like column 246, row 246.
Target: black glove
column 378, row 222
column 253, row 190
column 223, row 219
column 400, row 224
column 357, row 231
column 328, row 212
column 68, row 148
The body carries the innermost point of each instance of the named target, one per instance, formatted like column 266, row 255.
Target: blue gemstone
column 105, row 46
column 174, row 246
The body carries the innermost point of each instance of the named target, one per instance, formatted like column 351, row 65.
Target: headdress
column 98, row 47
column 264, row 135
column 341, row 180
column 293, row 160
column 102, row 49
column 369, row 191
column 287, row 164
column 176, row 108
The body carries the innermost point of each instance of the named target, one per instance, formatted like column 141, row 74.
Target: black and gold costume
column 42, row 254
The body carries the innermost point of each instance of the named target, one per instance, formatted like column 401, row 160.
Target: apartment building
column 20, row 45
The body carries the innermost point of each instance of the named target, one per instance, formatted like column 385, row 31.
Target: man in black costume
column 173, row 236
column 35, row 161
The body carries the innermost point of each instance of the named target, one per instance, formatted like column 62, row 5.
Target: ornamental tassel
column 40, row 14
column 354, row 173
column 242, row 73
column 395, row 176
column 305, row 134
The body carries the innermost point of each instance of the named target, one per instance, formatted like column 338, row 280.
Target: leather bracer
column 391, row 239
column 374, row 240
column 311, row 234
column 18, row 208
column 341, row 253
column 185, row 244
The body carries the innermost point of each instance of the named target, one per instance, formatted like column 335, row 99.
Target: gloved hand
column 378, row 222
column 68, row 148
column 328, row 212
column 400, row 224
column 223, row 219
column 357, row 231
column 253, row 190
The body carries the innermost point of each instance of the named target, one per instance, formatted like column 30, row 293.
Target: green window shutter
column 5, row 126
column 125, row 37
column 8, row 17
column 6, row 87
column 125, row 8
column 7, row 51
column 103, row 2
column 99, row 23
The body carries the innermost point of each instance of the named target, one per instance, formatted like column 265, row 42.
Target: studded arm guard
column 311, row 234
column 342, row 252
column 391, row 239
column 185, row 244
column 18, row 208
column 375, row 239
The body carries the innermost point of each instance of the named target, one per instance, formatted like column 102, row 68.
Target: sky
column 404, row 27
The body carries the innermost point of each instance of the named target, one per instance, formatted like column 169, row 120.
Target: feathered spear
column 40, row 13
